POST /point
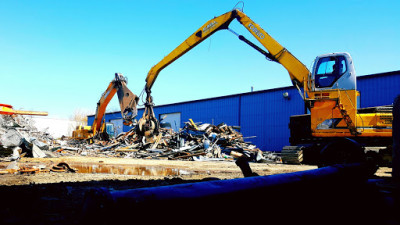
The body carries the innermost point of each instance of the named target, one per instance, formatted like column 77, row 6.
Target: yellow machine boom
column 298, row 71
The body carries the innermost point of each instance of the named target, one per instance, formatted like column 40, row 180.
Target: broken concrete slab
column 37, row 152
column 12, row 138
column 19, row 131
column 40, row 144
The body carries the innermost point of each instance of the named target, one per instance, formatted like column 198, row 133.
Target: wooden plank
column 126, row 150
column 157, row 141
column 186, row 156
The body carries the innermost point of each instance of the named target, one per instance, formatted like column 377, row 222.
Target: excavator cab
column 334, row 71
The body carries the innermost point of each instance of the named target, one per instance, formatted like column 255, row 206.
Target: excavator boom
column 298, row 72
column 127, row 101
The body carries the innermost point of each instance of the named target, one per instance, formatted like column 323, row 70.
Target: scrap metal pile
column 197, row 142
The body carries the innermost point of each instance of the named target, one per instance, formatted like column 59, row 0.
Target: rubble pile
column 199, row 142
column 195, row 141
column 19, row 137
column 192, row 142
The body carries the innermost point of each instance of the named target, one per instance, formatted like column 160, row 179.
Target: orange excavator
column 127, row 101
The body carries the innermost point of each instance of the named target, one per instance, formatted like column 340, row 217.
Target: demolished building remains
column 195, row 141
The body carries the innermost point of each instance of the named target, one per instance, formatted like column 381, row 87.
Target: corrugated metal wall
column 108, row 117
column 378, row 89
column 213, row 111
column 265, row 114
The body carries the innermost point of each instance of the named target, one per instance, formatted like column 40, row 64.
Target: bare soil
column 147, row 169
column 144, row 169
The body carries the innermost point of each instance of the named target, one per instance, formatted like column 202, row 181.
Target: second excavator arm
column 298, row 72
column 127, row 101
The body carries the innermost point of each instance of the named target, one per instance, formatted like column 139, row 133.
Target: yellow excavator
column 334, row 131
column 128, row 104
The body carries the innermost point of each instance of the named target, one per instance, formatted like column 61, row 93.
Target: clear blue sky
column 59, row 56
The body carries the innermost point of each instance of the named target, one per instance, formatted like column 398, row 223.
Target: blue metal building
column 264, row 114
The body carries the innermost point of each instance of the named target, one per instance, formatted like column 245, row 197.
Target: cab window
column 329, row 70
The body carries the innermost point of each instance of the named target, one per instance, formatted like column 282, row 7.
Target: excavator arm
column 298, row 72
column 127, row 101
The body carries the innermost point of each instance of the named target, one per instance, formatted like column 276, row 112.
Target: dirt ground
column 57, row 197
column 143, row 169
column 98, row 169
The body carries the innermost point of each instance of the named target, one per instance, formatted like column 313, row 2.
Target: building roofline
column 257, row 92
column 271, row 89
column 379, row 74
column 227, row 96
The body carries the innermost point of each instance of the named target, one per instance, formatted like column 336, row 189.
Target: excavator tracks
column 292, row 154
